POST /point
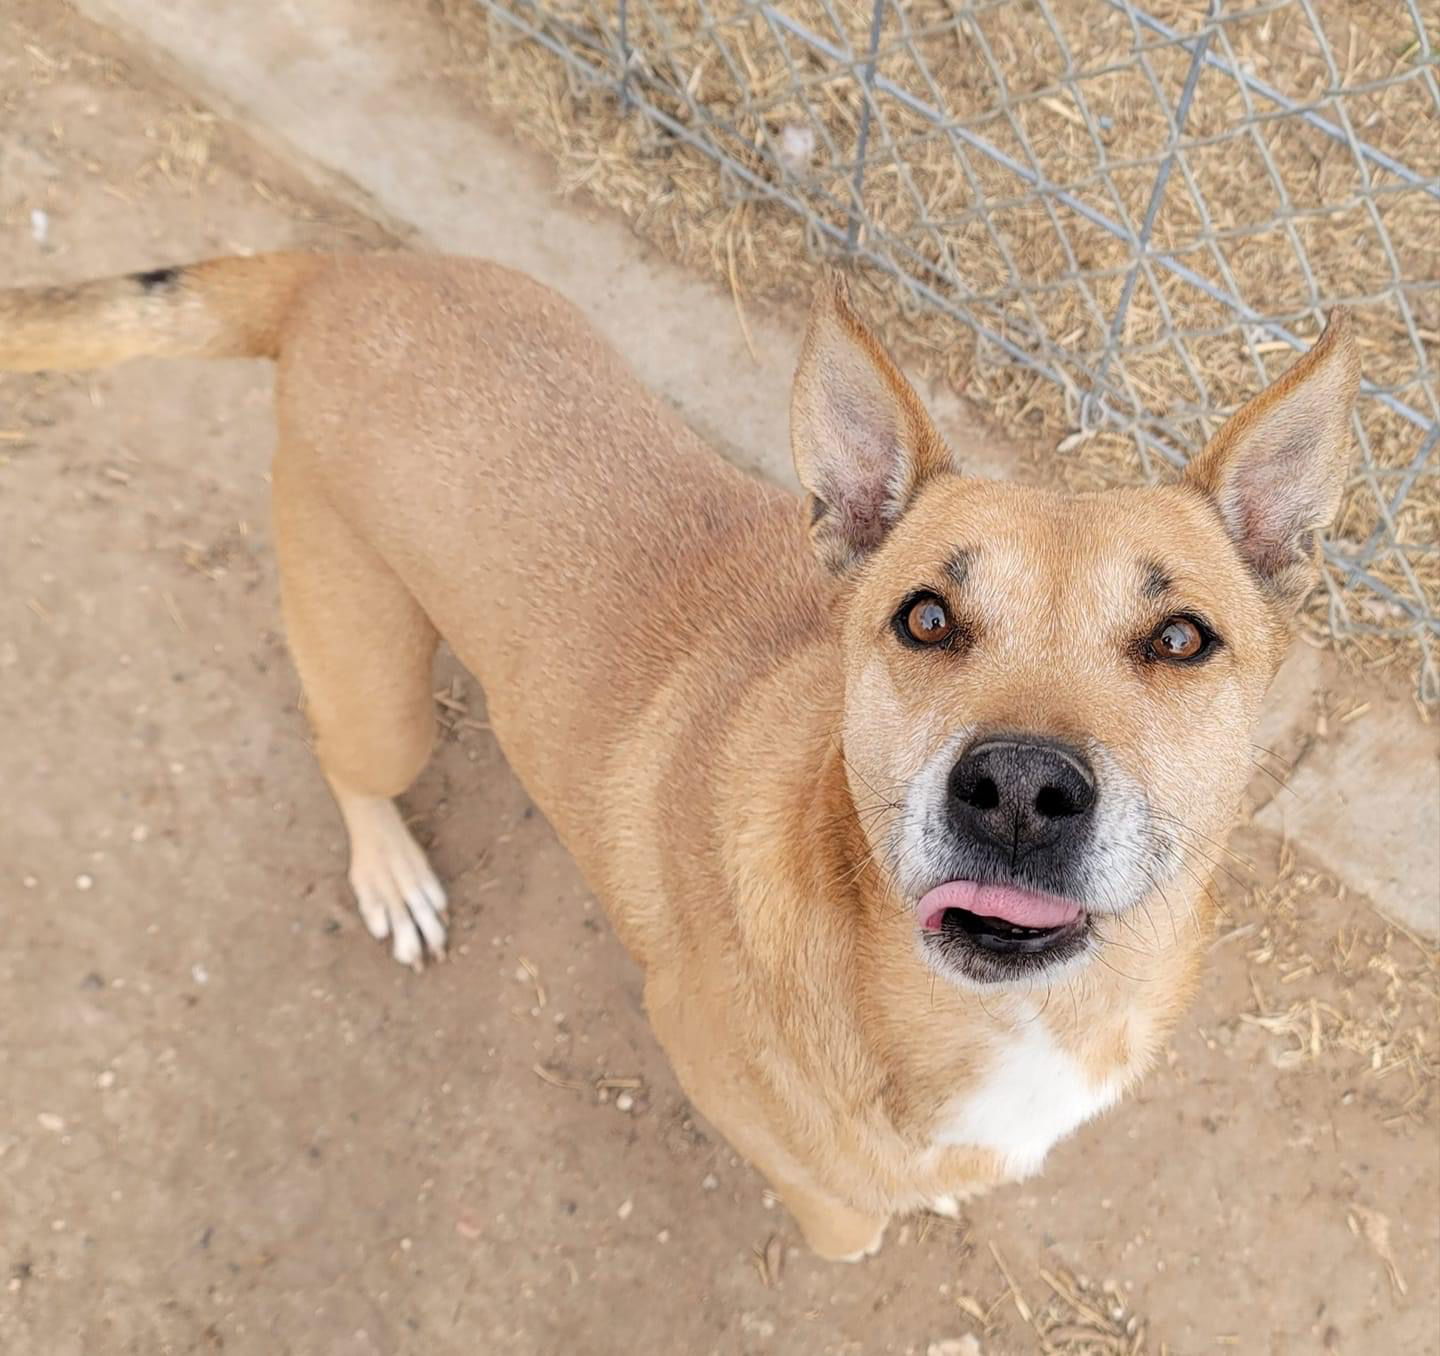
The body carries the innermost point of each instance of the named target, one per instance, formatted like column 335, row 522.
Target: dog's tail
column 222, row 308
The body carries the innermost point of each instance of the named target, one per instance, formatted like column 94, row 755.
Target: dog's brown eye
column 928, row 622
column 1178, row 638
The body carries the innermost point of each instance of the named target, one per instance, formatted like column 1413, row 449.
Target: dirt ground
column 228, row 1122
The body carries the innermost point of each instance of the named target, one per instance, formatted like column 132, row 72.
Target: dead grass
column 1067, row 1314
column 792, row 123
column 1363, row 999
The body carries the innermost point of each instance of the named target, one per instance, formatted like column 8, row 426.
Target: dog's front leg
column 832, row 1229
column 397, row 892
column 693, row 1021
column 363, row 648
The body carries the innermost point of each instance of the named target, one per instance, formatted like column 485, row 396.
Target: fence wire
column 1152, row 208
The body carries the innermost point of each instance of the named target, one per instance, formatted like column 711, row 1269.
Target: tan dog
column 905, row 798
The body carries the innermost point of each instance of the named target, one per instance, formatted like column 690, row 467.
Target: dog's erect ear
column 1277, row 467
column 862, row 441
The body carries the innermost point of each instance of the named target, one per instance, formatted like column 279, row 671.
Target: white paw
column 398, row 894
column 869, row 1250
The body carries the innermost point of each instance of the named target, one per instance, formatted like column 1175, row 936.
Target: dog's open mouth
column 995, row 934
column 1015, row 928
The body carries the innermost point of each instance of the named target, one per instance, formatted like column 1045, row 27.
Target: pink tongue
column 1019, row 907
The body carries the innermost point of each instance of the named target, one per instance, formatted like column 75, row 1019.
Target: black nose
column 1020, row 794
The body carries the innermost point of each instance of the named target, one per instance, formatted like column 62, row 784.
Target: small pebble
column 969, row 1345
column 624, row 1102
column 84, row 881
column 797, row 148
column 139, row 833
column 199, row 974
column 625, row 1209
column 710, row 1182
column 50, row 1121
column 105, row 1079
column 29, row 882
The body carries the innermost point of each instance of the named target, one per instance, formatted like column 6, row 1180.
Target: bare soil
column 228, row 1122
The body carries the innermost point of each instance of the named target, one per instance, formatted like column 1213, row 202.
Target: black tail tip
column 158, row 279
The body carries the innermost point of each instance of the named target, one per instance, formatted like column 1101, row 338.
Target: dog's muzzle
column 1019, row 816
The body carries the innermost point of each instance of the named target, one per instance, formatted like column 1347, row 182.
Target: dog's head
column 1050, row 698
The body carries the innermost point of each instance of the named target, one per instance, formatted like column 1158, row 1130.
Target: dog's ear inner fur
column 1276, row 469
column 862, row 441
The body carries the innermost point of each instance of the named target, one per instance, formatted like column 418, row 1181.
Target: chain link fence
column 1148, row 208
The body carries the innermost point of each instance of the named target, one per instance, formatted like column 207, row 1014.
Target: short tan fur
column 706, row 684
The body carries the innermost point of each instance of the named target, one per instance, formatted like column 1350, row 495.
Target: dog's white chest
column 1032, row 1095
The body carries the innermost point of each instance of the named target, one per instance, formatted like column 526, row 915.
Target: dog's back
column 499, row 430
column 608, row 553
